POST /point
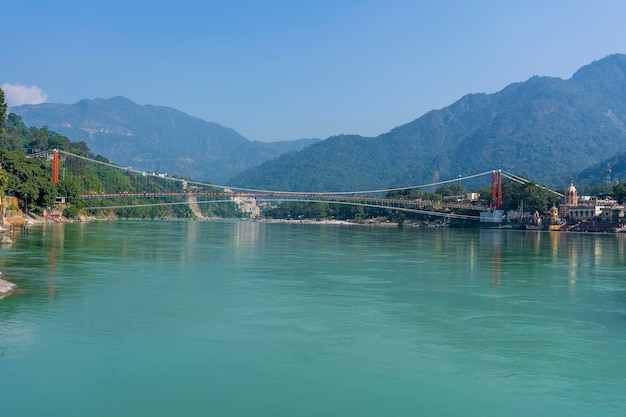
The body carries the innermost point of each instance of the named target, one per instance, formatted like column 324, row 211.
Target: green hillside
column 604, row 174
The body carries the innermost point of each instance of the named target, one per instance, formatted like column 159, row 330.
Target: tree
column 450, row 190
column 69, row 189
column 3, row 109
column 4, row 180
column 529, row 194
column 619, row 191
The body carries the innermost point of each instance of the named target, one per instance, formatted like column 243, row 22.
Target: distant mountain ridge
column 156, row 138
column 547, row 129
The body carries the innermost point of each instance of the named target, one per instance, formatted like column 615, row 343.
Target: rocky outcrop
column 6, row 288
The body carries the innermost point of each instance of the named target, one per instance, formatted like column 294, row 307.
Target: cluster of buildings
column 585, row 208
column 584, row 214
column 576, row 213
column 579, row 213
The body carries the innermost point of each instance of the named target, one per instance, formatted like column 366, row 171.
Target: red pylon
column 492, row 203
column 55, row 166
column 496, row 189
column 499, row 202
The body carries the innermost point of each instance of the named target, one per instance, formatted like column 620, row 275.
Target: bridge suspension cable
column 226, row 187
column 516, row 178
column 522, row 180
column 358, row 192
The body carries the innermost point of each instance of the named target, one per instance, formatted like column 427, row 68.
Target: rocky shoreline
column 6, row 288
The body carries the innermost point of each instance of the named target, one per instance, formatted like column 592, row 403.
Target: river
column 152, row 319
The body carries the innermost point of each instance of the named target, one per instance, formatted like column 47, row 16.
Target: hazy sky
column 279, row 70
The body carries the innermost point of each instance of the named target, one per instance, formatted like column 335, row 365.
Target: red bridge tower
column 55, row 166
column 496, row 189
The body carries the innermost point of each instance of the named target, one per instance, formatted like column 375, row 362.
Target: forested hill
column 156, row 138
column 547, row 129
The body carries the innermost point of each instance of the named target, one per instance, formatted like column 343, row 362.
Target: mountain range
column 156, row 138
column 547, row 129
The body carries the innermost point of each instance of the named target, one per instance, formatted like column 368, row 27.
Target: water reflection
column 56, row 241
column 496, row 259
column 554, row 242
column 245, row 234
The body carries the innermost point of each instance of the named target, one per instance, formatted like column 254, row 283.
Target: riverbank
column 33, row 219
column 381, row 222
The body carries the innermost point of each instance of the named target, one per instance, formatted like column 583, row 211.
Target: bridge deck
column 380, row 202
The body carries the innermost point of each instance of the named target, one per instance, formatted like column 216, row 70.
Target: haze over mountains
column 547, row 129
column 156, row 138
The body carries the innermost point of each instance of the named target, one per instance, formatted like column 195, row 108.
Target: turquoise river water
column 256, row 319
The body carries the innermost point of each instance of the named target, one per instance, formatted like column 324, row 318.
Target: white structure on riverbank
column 247, row 205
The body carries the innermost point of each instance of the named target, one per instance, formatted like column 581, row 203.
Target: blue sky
column 281, row 70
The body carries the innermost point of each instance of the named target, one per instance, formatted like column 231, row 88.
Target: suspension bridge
column 104, row 181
